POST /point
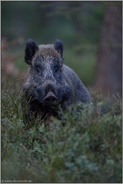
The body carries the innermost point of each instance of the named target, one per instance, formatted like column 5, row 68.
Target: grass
column 88, row 148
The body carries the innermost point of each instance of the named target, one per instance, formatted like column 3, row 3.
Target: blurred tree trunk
column 109, row 61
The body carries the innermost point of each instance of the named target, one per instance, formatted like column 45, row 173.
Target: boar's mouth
column 50, row 99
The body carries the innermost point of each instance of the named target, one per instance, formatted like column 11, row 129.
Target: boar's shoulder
column 80, row 91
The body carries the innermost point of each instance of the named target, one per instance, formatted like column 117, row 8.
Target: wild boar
column 51, row 86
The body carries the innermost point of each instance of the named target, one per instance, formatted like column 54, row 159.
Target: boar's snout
column 50, row 98
column 50, row 95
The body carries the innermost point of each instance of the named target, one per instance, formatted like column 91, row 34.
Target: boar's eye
column 57, row 69
column 36, row 67
column 37, row 70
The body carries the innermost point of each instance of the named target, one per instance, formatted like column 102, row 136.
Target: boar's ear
column 59, row 47
column 30, row 51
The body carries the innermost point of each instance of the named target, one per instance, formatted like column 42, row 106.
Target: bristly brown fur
column 47, row 50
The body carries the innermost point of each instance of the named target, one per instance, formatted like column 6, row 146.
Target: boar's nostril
column 50, row 97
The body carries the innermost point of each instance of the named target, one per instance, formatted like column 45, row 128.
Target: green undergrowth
column 85, row 146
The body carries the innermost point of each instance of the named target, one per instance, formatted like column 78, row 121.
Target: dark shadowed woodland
column 86, row 145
